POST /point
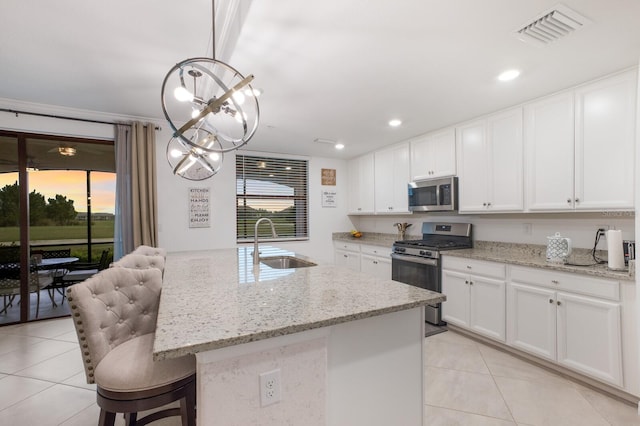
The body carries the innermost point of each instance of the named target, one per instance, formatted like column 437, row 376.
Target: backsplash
column 523, row 228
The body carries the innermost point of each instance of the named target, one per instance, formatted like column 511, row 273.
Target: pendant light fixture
column 211, row 108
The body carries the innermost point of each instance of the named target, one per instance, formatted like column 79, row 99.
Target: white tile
column 50, row 407
column 615, row 412
column 548, row 404
column 14, row 389
column 502, row 364
column 48, row 329
column 464, row 391
column 454, row 356
column 68, row 337
column 33, row 354
column 452, row 337
column 80, row 381
column 437, row 416
column 56, row 369
column 13, row 342
column 88, row 416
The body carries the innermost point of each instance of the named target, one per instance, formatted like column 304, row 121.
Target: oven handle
column 415, row 259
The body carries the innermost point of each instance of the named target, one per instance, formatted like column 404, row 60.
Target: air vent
column 552, row 25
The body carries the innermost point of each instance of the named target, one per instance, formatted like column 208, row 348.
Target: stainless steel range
column 417, row 262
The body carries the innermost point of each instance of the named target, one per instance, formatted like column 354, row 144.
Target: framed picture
column 199, row 207
column 328, row 198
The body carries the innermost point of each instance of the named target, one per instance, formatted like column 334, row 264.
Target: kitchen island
column 344, row 348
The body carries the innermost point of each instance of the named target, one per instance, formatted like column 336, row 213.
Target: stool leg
column 188, row 406
column 106, row 418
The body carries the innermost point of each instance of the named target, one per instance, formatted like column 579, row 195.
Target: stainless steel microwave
column 432, row 195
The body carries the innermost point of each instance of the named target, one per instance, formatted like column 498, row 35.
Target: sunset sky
column 72, row 184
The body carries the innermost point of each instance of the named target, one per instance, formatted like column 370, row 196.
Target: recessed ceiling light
column 509, row 75
column 339, row 146
column 395, row 122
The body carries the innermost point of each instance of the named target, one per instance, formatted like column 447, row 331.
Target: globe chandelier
column 211, row 108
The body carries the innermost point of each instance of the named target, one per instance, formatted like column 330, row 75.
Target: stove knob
column 400, row 249
column 425, row 253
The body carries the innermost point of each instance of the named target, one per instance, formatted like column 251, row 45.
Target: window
column 275, row 188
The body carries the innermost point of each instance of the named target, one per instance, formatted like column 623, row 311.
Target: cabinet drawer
column 376, row 250
column 475, row 267
column 563, row 281
column 347, row 246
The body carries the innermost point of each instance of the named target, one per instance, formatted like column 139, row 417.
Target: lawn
column 99, row 229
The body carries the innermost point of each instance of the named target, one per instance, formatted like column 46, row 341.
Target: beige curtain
column 143, row 185
column 136, row 199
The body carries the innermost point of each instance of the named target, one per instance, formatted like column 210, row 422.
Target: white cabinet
column 579, row 147
column 434, row 155
column 549, row 139
column 391, row 178
column 361, row 185
column 578, row 331
column 475, row 293
column 605, row 144
column 490, row 164
column 376, row 261
column 347, row 255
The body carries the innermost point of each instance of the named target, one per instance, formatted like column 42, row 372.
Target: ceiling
column 331, row 69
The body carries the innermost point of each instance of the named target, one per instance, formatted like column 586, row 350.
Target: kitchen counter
column 512, row 253
column 323, row 333
column 212, row 299
column 535, row 256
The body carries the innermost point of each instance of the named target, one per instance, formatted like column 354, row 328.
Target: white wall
column 174, row 232
column 512, row 228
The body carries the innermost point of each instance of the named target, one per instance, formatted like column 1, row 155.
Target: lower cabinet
column 347, row 255
column 475, row 293
column 376, row 261
column 373, row 260
column 580, row 332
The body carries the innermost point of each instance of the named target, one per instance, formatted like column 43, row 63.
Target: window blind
column 275, row 188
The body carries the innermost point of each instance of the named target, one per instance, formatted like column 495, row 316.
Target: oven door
column 419, row 272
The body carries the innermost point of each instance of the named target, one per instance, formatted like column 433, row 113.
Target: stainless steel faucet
column 256, row 251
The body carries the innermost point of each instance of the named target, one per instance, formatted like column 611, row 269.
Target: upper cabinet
column 434, row 155
column 605, row 145
column 580, row 147
column 361, row 185
column 490, row 164
column 391, row 177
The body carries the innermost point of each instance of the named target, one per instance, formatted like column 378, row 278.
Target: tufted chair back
column 139, row 261
column 150, row 251
column 112, row 307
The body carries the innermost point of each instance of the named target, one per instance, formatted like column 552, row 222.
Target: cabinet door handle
column 466, row 281
column 558, row 302
column 577, row 200
column 468, row 266
column 470, row 282
column 550, row 300
column 555, row 281
column 488, row 204
column 345, row 255
column 484, row 204
column 375, row 262
column 569, row 200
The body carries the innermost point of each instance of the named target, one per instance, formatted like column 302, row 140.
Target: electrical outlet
column 269, row 387
column 527, row 228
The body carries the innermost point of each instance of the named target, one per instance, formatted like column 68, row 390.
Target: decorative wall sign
column 329, row 198
column 329, row 177
column 199, row 207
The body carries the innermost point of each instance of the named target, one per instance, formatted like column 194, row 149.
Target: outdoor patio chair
column 115, row 313
column 10, row 283
column 76, row 272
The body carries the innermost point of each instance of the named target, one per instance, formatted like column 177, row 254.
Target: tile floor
column 42, row 383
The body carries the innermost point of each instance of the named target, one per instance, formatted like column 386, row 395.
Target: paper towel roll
column 614, row 247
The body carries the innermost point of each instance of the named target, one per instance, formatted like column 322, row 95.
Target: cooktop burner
column 437, row 237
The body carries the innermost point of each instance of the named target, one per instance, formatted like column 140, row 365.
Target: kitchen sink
column 286, row 262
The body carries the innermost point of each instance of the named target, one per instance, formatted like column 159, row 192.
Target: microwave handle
column 438, row 199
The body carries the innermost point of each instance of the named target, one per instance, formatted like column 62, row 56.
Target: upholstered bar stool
column 150, row 251
column 114, row 313
column 139, row 261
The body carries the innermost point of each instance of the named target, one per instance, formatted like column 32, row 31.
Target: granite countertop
column 216, row 298
column 535, row 256
column 512, row 253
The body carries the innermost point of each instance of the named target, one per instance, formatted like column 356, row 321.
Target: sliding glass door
column 59, row 197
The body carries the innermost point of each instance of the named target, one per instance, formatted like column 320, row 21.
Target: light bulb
column 395, row 122
column 182, row 94
column 176, row 153
column 509, row 75
column 195, row 113
column 214, row 156
column 238, row 97
column 339, row 146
